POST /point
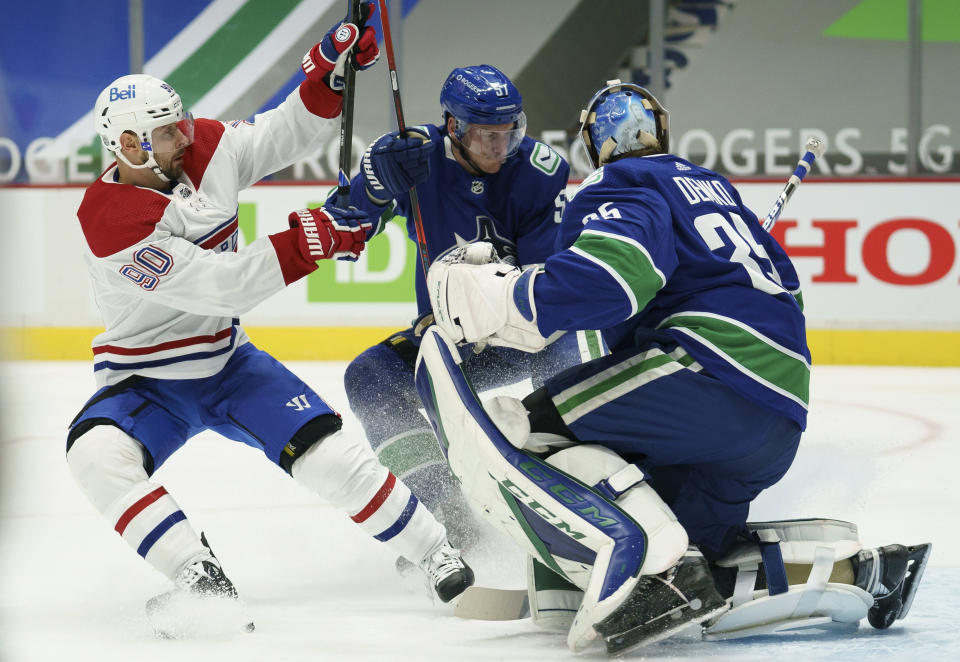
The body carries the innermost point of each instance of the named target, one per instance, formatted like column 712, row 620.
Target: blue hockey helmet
column 623, row 118
column 483, row 95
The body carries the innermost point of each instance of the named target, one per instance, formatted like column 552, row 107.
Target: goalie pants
column 707, row 451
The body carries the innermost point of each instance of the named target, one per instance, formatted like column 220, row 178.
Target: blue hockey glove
column 392, row 164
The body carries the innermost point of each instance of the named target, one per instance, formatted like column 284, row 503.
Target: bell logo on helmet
column 117, row 94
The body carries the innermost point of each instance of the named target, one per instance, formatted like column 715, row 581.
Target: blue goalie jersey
column 516, row 208
column 658, row 243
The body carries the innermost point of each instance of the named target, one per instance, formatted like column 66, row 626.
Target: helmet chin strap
column 480, row 172
column 150, row 163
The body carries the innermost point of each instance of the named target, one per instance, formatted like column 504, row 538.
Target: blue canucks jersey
column 659, row 243
column 515, row 209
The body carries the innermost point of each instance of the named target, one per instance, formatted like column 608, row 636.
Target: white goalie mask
column 150, row 109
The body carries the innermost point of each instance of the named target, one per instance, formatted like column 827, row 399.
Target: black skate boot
column 448, row 574
column 660, row 605
column 170, row 612
column 891, row 574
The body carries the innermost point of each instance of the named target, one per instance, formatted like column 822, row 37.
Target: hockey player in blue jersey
column 478, row 178
column 609, row 471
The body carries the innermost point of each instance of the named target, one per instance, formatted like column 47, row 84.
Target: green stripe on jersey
column 749, row 351
column 619, row 379
column 627, row 261
column 591, row 345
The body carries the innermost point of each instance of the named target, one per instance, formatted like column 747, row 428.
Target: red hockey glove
column 330, row 232
column 326, row 61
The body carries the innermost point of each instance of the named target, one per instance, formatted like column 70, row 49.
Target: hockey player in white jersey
column 608, row 472
column 161, row 235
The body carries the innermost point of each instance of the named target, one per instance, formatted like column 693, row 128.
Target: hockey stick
column 346, row 118
column 401, row 127
column 815, row 149
column 492, row 604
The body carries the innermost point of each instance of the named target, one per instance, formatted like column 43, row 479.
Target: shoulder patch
column 206, row 138
column 544, row 159
column 117, row 216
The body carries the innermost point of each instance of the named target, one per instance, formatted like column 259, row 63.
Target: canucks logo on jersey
column 487, row 231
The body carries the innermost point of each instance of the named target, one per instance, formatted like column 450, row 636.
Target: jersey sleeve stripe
column 630, row 242
column 217, row 232
column 627, row 260
column 628, row 292
column 747, row 350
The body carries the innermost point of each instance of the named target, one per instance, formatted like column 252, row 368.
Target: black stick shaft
column 401, row 127
column 346, row 117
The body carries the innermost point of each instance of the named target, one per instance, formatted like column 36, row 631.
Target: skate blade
column 624, row 643
column 918, row 556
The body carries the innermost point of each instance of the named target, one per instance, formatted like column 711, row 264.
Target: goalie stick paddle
column 480, row 603
column 346, row 118
column 815, row 149
column 401, row 127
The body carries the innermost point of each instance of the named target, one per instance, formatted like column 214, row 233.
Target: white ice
column 882, row 450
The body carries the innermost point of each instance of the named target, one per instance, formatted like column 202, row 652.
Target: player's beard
column 171, row 166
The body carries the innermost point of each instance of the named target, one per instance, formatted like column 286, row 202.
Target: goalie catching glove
column 478, row 298
column 327, row 60
column 330, row 232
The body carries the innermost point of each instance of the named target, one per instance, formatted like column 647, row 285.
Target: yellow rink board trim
column 828, row 346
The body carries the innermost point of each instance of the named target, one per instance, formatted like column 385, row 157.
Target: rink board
column 879, row 265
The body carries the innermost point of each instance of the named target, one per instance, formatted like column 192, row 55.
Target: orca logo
column 117, row 94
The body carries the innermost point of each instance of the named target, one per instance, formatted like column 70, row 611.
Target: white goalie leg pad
column 601, row 467
column 542, row 508
column 107, row 464
column 666, row 540
column 347, row 474
column 817, row 603
column 510, row 417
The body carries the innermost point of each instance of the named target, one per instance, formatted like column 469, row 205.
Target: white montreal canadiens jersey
column 165, row 267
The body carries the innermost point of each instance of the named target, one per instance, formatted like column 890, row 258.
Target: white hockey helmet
column 141, row 104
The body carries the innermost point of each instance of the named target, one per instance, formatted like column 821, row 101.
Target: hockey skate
column 204, row 601
column 447, row 572
column 661, row 605
column 891, row 574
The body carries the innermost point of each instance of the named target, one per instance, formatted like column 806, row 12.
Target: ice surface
column 882, row 450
